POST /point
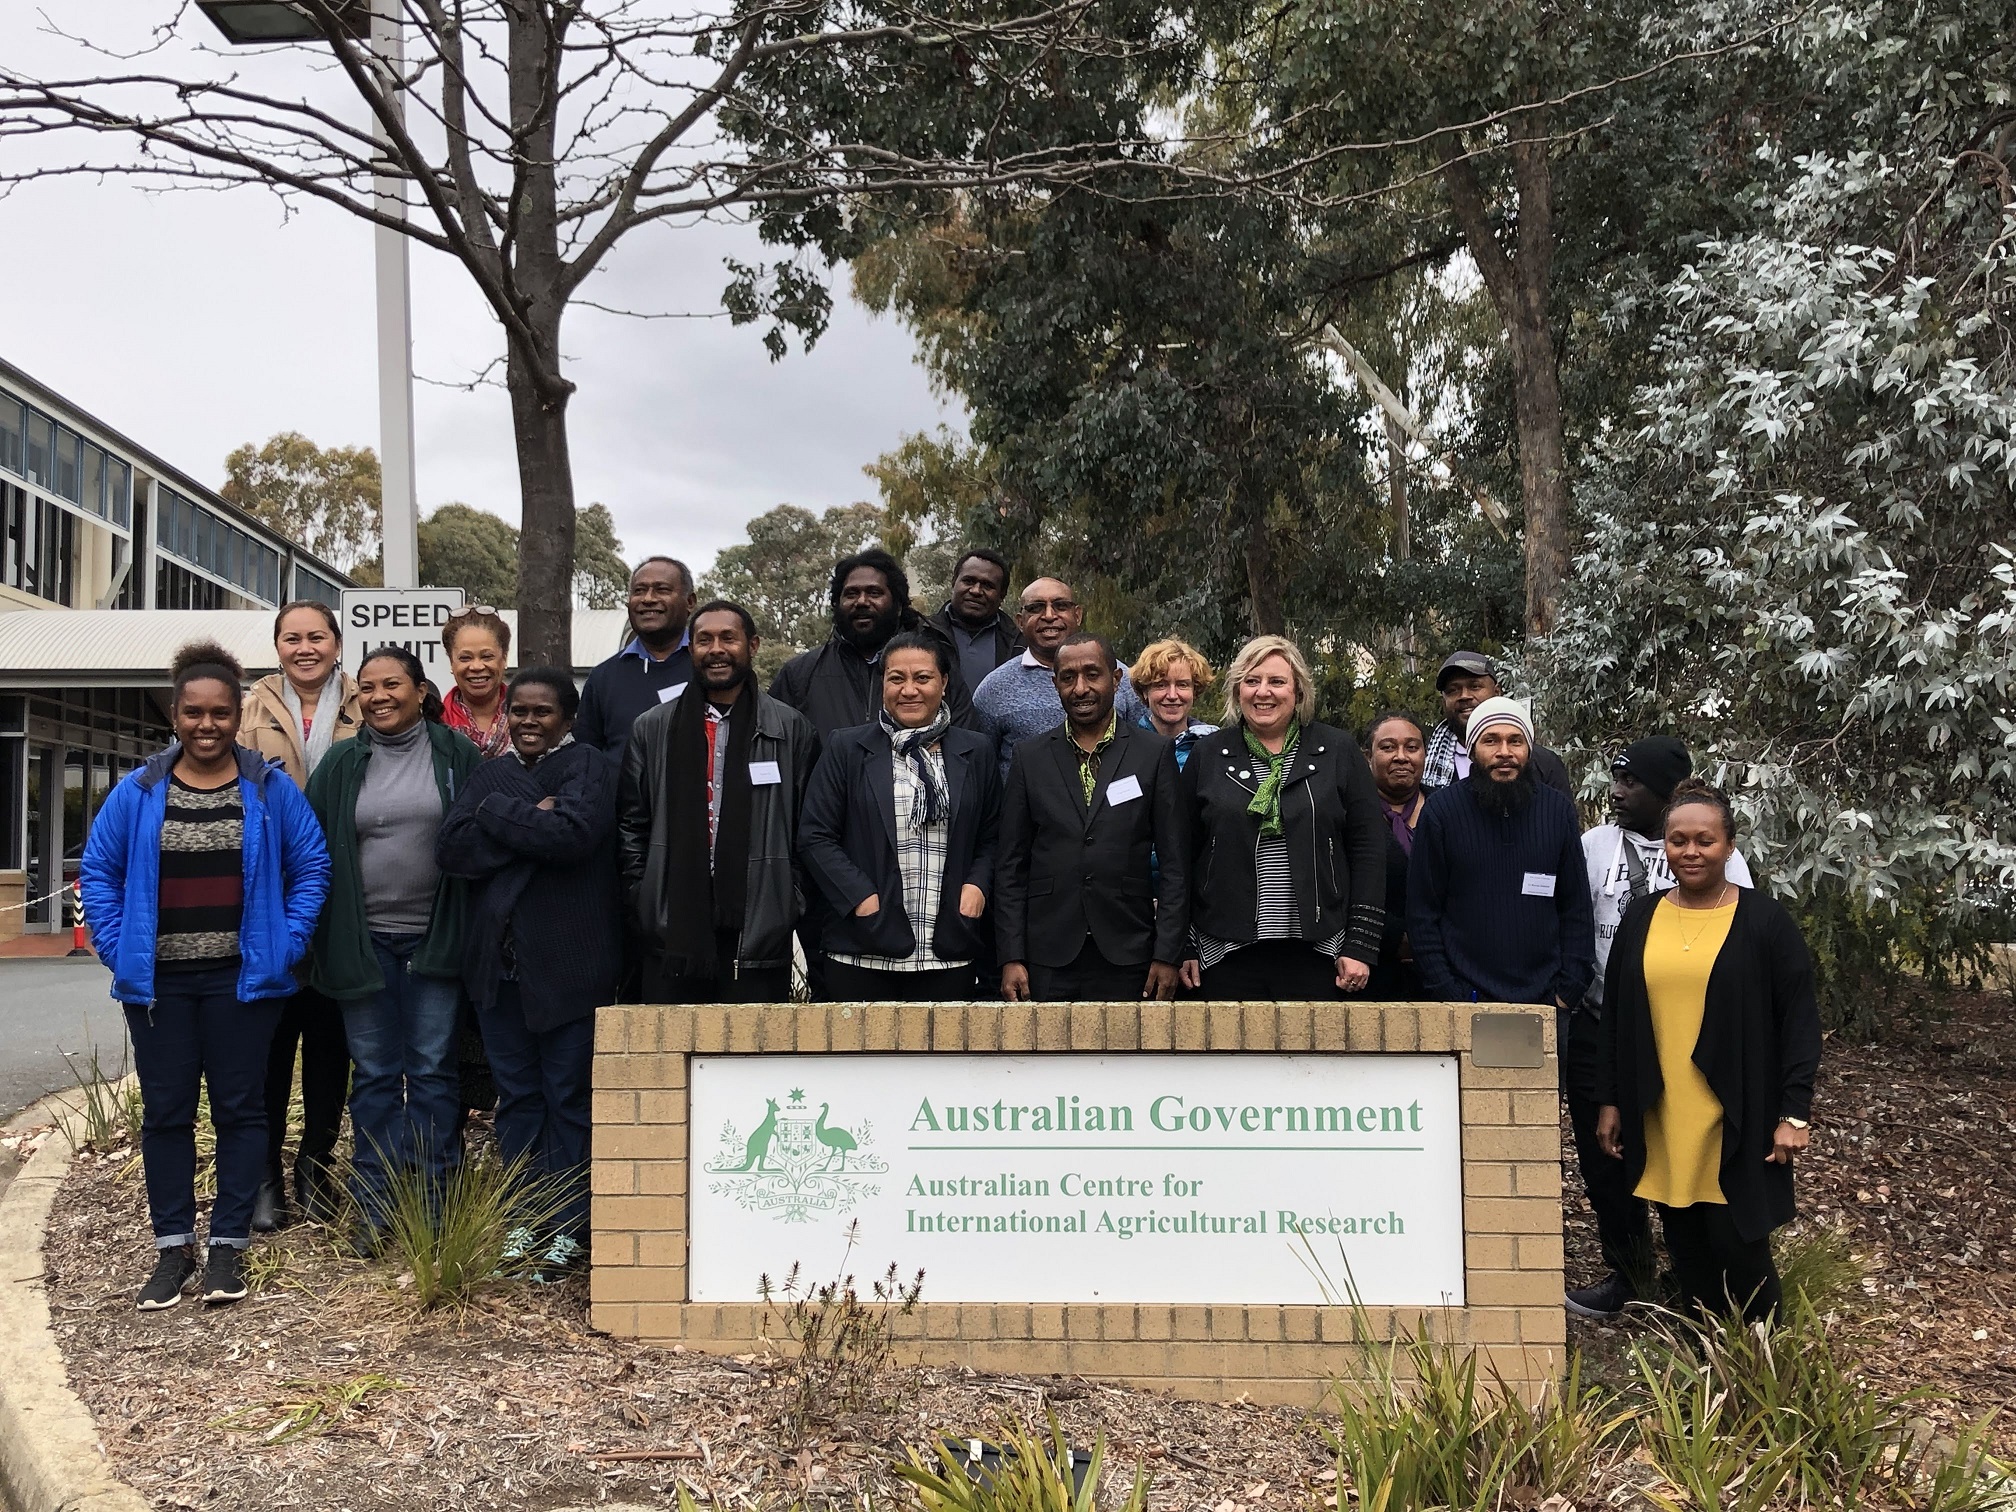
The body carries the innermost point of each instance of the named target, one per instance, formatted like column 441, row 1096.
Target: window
column 41, row 442
column 13, row 429
column 119, row 491
column 69, row 482
column 309, row 584
column 94, row 480
column 17, row 540
column 179, row 588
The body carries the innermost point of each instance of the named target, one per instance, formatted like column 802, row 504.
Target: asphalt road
column 48, row 1006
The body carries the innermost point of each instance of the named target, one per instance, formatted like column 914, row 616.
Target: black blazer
column 1330, row 818
column 847, row 841
column 1759, row 1049
column 1064, row 872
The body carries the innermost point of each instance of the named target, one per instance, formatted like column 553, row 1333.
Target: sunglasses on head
column 471, row 609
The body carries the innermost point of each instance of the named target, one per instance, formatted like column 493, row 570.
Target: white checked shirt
column 920, row 859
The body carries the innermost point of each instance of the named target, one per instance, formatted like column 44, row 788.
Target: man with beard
column 1019, row 698
column 713, row 780
column 982, row 634
column 652, row 668
column 1081, row 914
column 839, row 685
column 1468, row 678
column 1624, row 860
column 1497, row 906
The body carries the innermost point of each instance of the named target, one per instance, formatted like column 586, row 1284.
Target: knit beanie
column 1658, row 761
column 1498, row 711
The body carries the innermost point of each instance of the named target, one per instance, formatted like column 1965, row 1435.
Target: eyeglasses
column 1055, row 606
column 467, row 610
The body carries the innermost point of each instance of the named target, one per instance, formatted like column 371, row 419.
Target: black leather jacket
column 776, row 890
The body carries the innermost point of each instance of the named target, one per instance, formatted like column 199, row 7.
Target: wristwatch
column 1797, row 1123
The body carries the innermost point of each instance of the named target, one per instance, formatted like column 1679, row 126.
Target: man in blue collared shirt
column 652, row 668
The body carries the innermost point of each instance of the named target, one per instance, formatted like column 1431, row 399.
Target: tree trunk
column 1263, row 583
column 1518, row 282
column 546, row 523
column 1403, row 530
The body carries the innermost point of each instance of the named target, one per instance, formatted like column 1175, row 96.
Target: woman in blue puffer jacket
column 202, row 879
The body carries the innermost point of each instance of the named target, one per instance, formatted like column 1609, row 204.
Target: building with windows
column 99, row 536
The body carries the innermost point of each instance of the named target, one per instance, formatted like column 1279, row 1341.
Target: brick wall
column 1511, row 1191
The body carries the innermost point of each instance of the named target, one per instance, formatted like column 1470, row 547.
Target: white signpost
column 409, row 617
column 1083, row 1178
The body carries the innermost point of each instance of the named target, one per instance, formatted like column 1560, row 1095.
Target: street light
column 256, row 22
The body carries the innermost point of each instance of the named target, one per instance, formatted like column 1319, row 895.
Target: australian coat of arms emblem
column 796, row 1165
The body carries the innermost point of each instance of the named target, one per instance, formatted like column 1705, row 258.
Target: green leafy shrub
column 1035, row 1474
column 455, row 1236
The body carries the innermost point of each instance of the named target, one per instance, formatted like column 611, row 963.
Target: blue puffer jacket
column 286, row 877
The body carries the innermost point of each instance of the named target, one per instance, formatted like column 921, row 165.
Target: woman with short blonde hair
column 1288, row 860
column 1168, row 677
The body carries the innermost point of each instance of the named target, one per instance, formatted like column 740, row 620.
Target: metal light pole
column 262, row 23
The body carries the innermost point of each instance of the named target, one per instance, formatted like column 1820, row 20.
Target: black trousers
column 1718, row 1269
column 1273, row 971
column 1091, row 978
column 764, row 984
column 313, row 1022
column 1623, row 1222
column 846, row 983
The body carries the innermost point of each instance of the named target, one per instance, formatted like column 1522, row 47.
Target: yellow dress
column 1683, row 1134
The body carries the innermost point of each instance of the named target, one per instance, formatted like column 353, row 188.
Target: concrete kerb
column 51, row 1459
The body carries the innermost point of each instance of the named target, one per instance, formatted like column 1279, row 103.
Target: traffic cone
column 78, row 946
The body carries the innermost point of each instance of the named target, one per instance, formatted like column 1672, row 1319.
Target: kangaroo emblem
column 757, row 1151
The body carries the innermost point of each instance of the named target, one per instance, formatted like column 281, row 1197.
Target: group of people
column 925, row 808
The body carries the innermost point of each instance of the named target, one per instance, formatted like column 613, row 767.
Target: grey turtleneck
column 398, row 813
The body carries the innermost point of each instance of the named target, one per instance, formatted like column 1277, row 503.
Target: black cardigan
column 1759, row 1049
column 1330, row 818
column 847, row 843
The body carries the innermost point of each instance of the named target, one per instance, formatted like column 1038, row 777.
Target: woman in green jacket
column 390, row 943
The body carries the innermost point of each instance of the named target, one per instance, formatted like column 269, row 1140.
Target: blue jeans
column 405, row 1102
column 196, row 1031
column 542, row 1101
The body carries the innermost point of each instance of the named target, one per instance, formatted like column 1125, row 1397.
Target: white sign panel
column 1082, row 1178
column 409, row 617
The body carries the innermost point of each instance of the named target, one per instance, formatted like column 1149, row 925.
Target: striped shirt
column 1275, row 916
column 202, row 897
column 920, row 860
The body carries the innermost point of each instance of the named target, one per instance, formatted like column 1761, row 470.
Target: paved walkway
column 47, row 1007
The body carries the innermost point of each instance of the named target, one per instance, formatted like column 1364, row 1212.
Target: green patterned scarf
column 1267, row 797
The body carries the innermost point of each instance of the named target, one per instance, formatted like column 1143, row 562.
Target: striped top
column 202, row 898
column 1275, row 916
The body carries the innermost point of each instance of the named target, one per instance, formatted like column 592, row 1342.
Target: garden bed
column 329, row 1389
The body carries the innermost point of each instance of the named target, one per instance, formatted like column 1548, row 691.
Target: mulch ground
column 516, row 1405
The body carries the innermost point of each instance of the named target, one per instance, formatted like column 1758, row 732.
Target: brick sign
column 1138, row 1178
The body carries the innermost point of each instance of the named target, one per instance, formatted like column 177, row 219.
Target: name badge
column 666, row 695
column 765, row 774
column 1538, row 885
column 1123, row 790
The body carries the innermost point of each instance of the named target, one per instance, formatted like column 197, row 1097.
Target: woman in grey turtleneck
column 389, row 947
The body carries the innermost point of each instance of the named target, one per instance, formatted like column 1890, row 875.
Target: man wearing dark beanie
column 1625, row 859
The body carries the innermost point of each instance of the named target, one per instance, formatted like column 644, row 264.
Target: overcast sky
column 194, row 322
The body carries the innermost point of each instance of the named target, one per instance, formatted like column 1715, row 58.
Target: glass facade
column 201, row 539
column 309, row 584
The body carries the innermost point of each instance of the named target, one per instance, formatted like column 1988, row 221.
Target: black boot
column 269, row 1208
column 315, row 1191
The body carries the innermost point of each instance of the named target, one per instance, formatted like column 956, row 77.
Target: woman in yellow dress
column 1711, row 1037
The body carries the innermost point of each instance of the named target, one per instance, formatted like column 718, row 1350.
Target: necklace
column 1685, row 942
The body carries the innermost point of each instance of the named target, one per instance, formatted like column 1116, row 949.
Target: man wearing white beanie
column 1497, row 905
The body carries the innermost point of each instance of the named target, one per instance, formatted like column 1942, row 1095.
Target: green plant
column 452, row 1236
column 1035, row 1474
column 322, row 1406
column 841, row 1344
column 102, row 1112
column 1817, row 1264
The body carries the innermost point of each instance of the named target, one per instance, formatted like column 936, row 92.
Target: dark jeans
column 315, row 1023
column 1091, row 978
column 847, row 983
column 1718, row 1269
column 405, row 1097
column 1623, row 1222
column 543, row 1078
column 1393, row 981
column 1273, row 971
column 768, row 984
column 197, row 1033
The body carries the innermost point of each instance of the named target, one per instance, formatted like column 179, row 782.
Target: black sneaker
column 1606, row 1299
column 224, row 1275
column 172, row 1270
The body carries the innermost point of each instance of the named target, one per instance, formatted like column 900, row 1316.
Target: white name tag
column 765, row 774
column 1123, row 790
column 1538, row 885
column 666, row 695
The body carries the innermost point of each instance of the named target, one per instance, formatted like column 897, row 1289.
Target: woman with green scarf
column 1288, row 875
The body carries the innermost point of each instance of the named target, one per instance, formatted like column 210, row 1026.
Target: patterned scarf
column 1438, row 766
column 914, row 746
column 1267, row 797
column 455, row 714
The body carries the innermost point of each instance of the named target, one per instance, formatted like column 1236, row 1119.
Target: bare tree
column 537, row 134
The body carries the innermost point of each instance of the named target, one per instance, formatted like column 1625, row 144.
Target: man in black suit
column 1082, row 913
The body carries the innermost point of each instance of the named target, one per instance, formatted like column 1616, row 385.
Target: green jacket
column 342, row 963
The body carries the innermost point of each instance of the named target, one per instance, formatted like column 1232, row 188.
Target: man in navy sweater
column 1497, row 905
column 649, row 671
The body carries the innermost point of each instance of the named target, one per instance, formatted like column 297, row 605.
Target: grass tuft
column 1034, row 1473
column 102, row 1112
column 452, row 1237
